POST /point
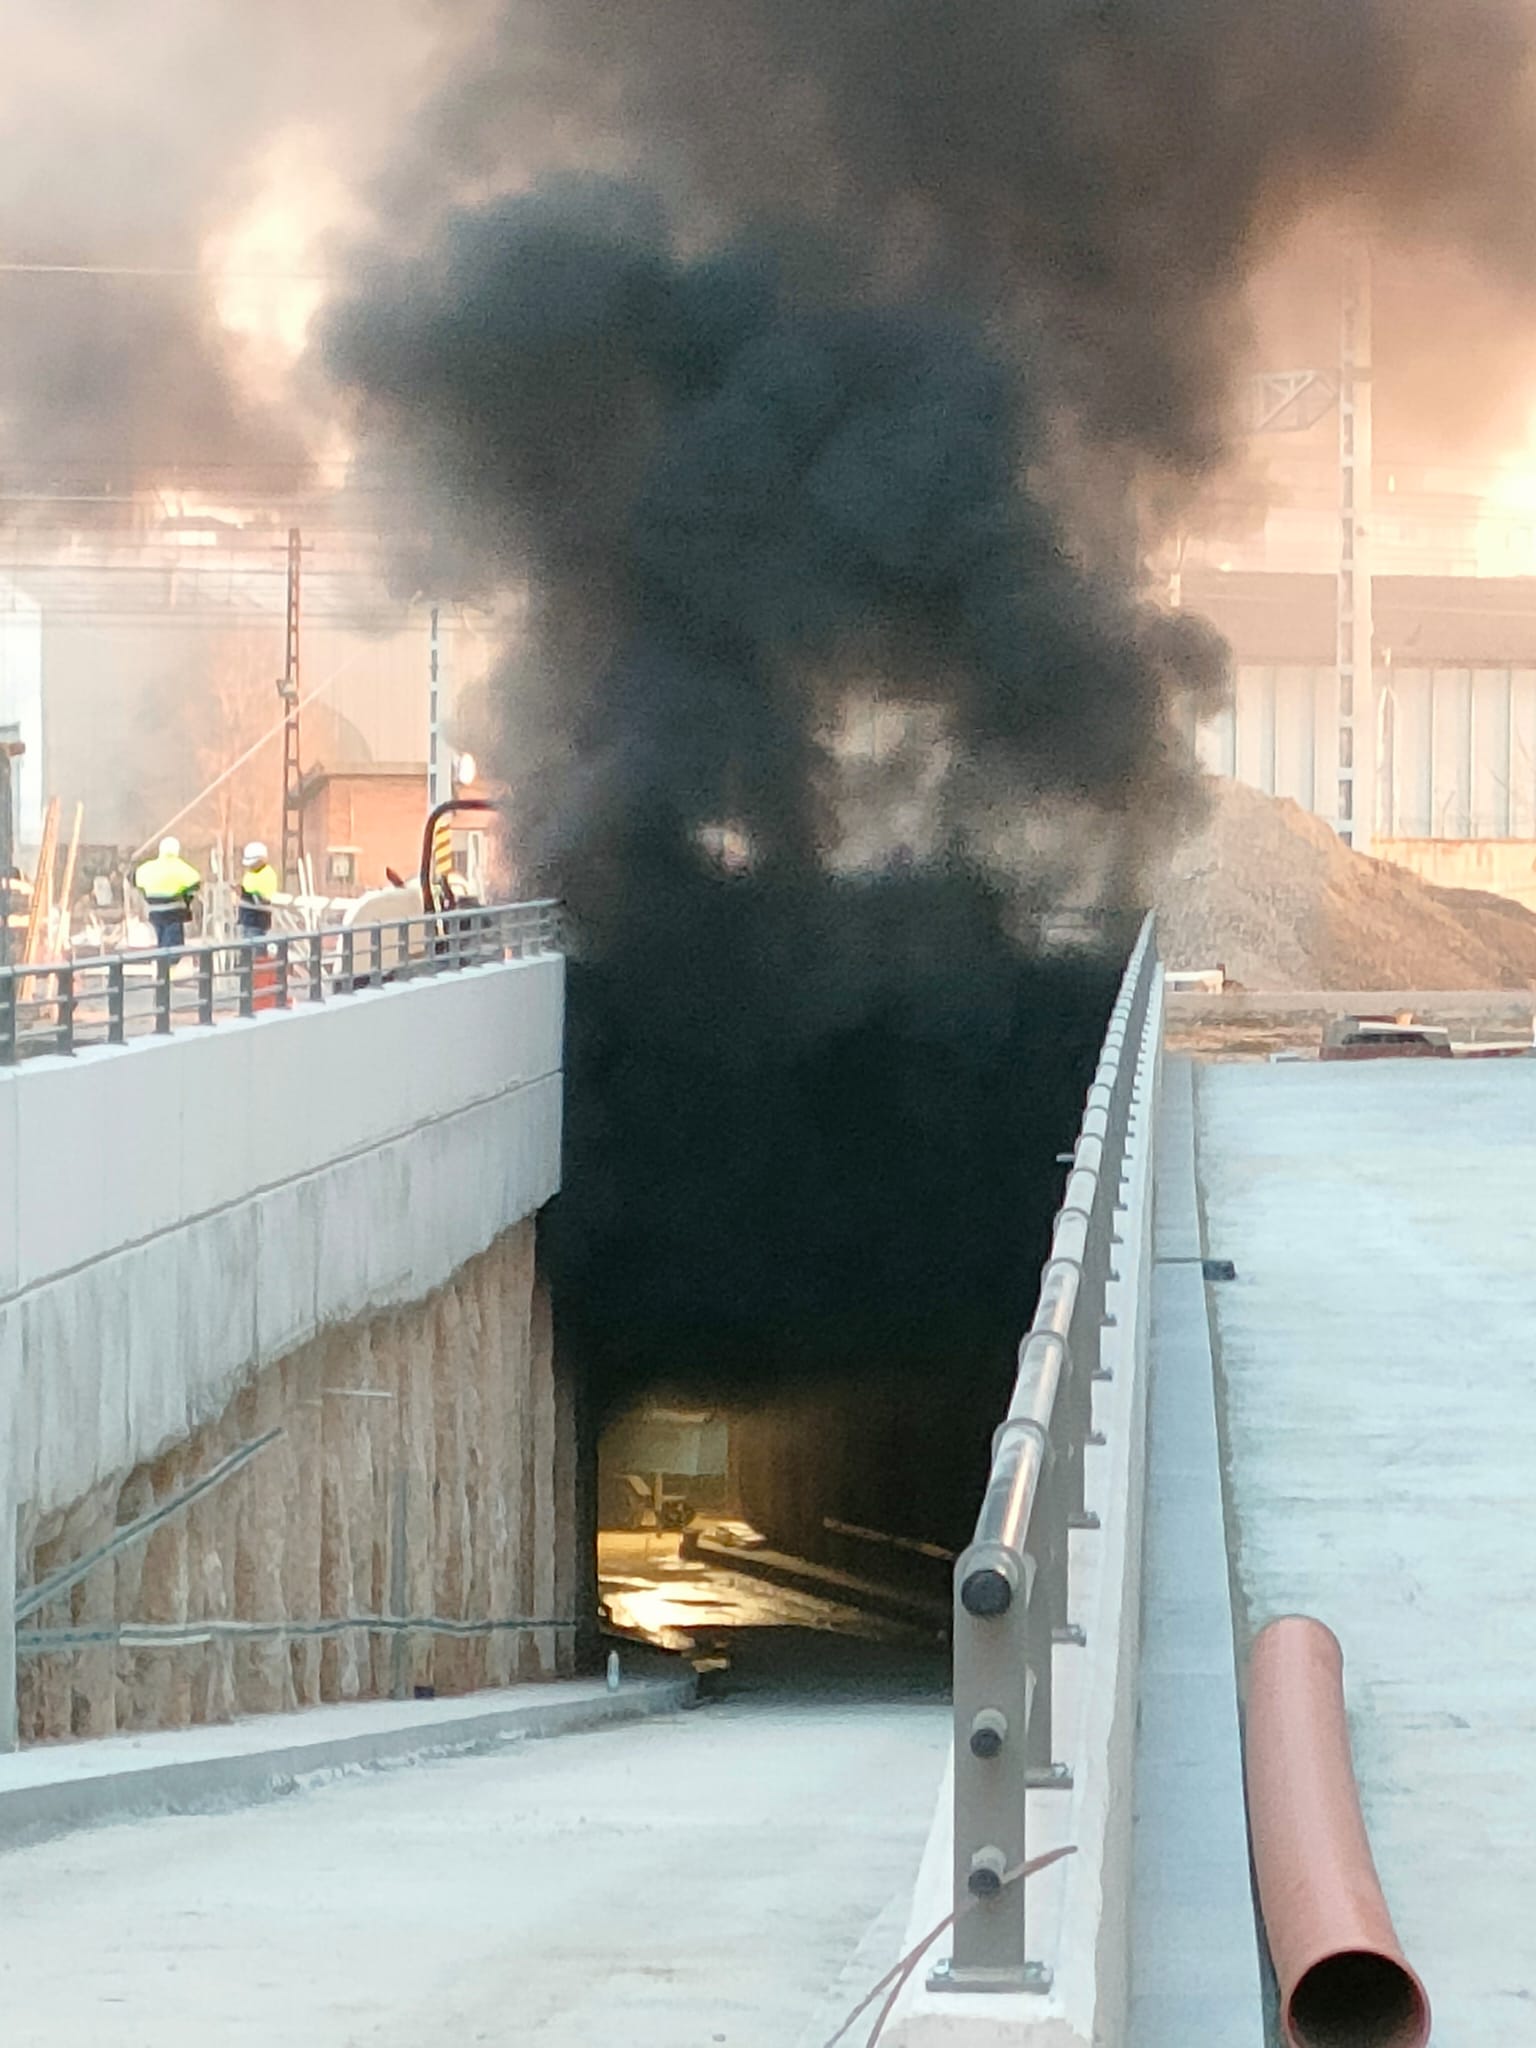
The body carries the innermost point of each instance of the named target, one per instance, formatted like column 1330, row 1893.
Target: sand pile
column 1271, row 894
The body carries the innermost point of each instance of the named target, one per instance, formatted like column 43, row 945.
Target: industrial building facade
column 1445, row 759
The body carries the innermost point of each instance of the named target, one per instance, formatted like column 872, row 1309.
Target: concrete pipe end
column 1358, row 1999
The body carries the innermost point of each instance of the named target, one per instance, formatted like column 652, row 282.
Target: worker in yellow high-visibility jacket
column 169, row 886
column 258, row 885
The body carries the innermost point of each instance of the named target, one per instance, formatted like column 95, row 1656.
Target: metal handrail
column 1011, row 1584
column 60, row 1007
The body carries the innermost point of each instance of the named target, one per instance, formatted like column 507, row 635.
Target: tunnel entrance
column 743, row 1536
column 808, row 1187
column 685, row 1565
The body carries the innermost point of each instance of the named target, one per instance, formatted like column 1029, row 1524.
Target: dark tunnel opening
column 810, row 1196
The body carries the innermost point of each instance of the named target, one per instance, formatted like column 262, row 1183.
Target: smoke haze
column 135, row 137
column 799, row 353
column 850, row 373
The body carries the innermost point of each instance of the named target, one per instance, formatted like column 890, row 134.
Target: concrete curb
column 133, row 1783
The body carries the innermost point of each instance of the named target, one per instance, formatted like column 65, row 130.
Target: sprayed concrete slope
column 1378, row 1357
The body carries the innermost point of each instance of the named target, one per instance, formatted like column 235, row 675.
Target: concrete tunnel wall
column 177, row 1216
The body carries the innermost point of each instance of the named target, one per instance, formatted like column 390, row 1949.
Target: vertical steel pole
column 288, row 690
column 434, row 727
column 1358, row 735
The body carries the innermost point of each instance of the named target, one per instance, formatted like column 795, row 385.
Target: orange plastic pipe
column 1344, row 1980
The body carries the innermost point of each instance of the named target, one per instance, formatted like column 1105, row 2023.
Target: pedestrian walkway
column 1377, row 1356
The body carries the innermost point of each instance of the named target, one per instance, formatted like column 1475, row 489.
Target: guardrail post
column 245, row 976
column 317, row 967
column 205, row 960
column 117, row 1002
column 7, row 1017
column 282, row 970
column 994, row 1693
column 347, row 975
column 162, row 995
column 64, row 983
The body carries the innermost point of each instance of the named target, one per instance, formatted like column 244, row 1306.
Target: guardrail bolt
column 989, row 1731
column 989, row 1867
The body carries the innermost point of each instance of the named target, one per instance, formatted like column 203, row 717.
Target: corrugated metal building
column 1452, row 775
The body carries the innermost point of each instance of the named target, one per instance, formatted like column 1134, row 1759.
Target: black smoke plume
column 845, row 383
column 807, row 1109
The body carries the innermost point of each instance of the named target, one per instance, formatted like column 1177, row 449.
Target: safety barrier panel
column 1011, row 1584
column 63, row 1006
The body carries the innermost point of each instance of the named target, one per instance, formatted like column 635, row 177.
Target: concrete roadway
column 700, row 1879
column 1377, row 1352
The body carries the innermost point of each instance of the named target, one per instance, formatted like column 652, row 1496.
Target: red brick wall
column 382, row 816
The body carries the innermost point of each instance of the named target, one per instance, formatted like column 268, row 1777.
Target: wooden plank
column 41, row 883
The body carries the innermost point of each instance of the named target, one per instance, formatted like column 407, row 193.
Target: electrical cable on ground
column 897, row 1975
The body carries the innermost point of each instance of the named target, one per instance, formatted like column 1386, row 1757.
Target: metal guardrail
column 1011, row 1608
column 62, row 1006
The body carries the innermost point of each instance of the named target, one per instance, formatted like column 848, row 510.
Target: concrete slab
column 1378, row 1355
column 1195, row 1957
column 684, row 1880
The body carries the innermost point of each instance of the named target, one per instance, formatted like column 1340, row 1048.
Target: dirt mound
column 1271, row 894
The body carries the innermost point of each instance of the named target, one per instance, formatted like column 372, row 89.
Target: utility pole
column 435, row 791
column 1357, row 743
column 288, row 690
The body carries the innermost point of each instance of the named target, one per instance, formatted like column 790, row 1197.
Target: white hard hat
column 169, row 848
column 255, row 854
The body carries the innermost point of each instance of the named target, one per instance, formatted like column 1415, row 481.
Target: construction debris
column 1270, row 894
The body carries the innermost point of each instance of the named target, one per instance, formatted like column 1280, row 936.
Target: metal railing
column 1011, row 1584
column 62, row 1006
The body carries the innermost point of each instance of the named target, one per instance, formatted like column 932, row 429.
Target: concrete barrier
column 1079, row 1910
column 177, row 1213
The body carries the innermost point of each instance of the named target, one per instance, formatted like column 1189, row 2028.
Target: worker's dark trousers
column 254, row 923
column 170, row 930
